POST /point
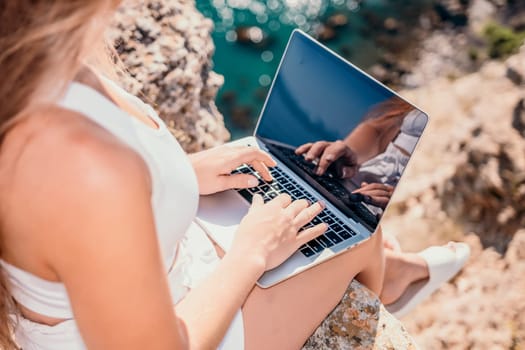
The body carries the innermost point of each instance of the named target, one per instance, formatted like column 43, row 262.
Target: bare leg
column 401, row 270
column 284, row 316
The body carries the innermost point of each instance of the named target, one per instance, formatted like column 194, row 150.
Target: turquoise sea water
column 250, row 37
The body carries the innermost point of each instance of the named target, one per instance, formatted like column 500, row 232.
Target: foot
column 402, row 269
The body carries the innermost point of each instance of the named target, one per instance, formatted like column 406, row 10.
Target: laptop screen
column 344, row 133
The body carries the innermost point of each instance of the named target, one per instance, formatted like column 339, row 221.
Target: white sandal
column 443, row 264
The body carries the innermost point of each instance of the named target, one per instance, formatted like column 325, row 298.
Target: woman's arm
column 265, row 238
column 208, row 310
column 90, row 226
column 364, row 142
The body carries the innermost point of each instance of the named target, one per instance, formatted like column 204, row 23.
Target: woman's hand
column 376, row 193
column 214, row 166
column 336, row 153
column 270, row 232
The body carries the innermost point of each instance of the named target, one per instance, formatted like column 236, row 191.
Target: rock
column 390, row 69
column 517, row 22
column 229, row 97
column 453, row 11
column 253, row 36
column 325, row 33
column 518, row 117
column 391, row 25
column 484, row 161
column 359, row 321
column 167, row 48
column 453, row 50
column 371, row 17
column 516, row 14
column 516, row 251
column 516, row 68
column 337, row 21
column 467, row 182
column 346, row 51
column 379, row 72
column 242, row 116
column 480, row 13
column 444, row 53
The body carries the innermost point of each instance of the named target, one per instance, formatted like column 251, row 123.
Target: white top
column 411, row 130
column 387, row 167
column 187, row 253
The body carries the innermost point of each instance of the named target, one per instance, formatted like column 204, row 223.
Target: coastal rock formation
column 360, row 322
column 167, row 48
column 467, row 182
column 451, row 50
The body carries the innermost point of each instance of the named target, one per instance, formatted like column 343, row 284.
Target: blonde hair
column 42, row 47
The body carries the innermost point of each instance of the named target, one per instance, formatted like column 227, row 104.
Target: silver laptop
column 317, row 98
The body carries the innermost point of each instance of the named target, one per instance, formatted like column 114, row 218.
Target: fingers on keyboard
column 306, row 215
column 309, row 234
column 297, row 207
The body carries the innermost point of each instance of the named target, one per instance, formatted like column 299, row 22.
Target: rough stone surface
column 450, row 50
column 467, row 182
column 480, row 13
column 167, row 47
column 439, row 57
column 516, row 68
column 360, row 321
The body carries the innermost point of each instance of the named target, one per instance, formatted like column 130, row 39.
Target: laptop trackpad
column 220, row 214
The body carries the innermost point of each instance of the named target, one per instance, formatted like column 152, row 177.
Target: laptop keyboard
column 337, row 231
column 327, row 180
column 353, row 201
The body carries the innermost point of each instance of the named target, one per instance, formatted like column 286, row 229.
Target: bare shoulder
column 79, row 212
column 62, row 148
column 59, row 170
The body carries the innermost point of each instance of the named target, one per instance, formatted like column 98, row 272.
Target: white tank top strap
column 98, row 108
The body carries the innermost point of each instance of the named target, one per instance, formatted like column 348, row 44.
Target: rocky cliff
column 167, row 49
column 467, row 182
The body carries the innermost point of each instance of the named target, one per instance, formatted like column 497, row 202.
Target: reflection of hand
column 376, row 193
column 213, row 167
column 337, row 153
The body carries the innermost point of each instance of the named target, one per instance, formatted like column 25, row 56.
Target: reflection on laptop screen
column 344, row 133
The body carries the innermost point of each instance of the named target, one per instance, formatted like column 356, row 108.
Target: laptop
column 318, row 99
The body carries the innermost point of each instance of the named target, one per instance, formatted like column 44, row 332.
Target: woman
column 97, row 200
